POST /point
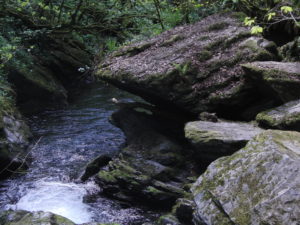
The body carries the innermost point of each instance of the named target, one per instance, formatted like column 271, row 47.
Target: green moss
column 215, row 44
column 239, row 15
column 107, row 177
column 132, row 50
column 153, row 190
column 203, row 38
column 218, row 26
column 172, row 40
column 264, row 119
column 261, row 54
column 204, row 55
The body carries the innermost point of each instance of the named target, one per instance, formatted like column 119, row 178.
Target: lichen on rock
column 286, row 117
column 257, row 185
column 213, row 140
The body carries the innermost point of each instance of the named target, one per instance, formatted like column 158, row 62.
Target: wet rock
column 280, row 79
column 257, row 185
column 286, row 116
column 193, row 68
column 21, row 217
column 93, row 167
column 150, row 167
column 213, row 140
column 34, row 218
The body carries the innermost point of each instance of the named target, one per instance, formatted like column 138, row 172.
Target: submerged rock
column 281, row 80
column 213, row 140
column 150, row 167
column 193, row 68
column 259, row 184
column 94, row 166
column 286, row 116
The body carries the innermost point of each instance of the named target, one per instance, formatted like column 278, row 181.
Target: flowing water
column 65, row 141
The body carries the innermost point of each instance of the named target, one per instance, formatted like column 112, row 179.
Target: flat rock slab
column 259, row 184
column 286, row 116
column 213, row 140
column 193, row 68
column 281, row 79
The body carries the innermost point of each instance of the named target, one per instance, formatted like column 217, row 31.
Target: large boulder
column 192, row 68
column 150, row 166
column 214, row 140
column 286, row 116
column 259, row 184
column 281, row 80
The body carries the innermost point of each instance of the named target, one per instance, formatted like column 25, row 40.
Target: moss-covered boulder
column 281, row 80
column 213, row 140
column 150, row 168
column 259, row 184
column 286, row 116
column 192, row 68
column 32, row 218
column 21, row 217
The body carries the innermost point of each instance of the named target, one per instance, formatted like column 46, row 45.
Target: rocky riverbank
column 37, row 78
column 216, row 71
column 200, row 150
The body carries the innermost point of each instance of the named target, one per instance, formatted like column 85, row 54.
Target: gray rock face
column 194, row 68
column 286, row 116
column 259, row 184
column 14, row 140
column 279, row 79
column 213, row 140
column 44, row 75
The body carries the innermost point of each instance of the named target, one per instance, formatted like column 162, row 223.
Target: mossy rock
column 212, row 140
column 151, row 165
column 286, row 116
column 192, row 68
column 256, row 185
column 34, row 218
column 280, row 79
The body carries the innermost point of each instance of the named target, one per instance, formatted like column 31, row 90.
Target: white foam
column 65, row 199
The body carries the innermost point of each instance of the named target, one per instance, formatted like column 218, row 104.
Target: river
column 65, row 141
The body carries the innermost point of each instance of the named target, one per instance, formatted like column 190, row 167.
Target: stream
column 65, row 141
